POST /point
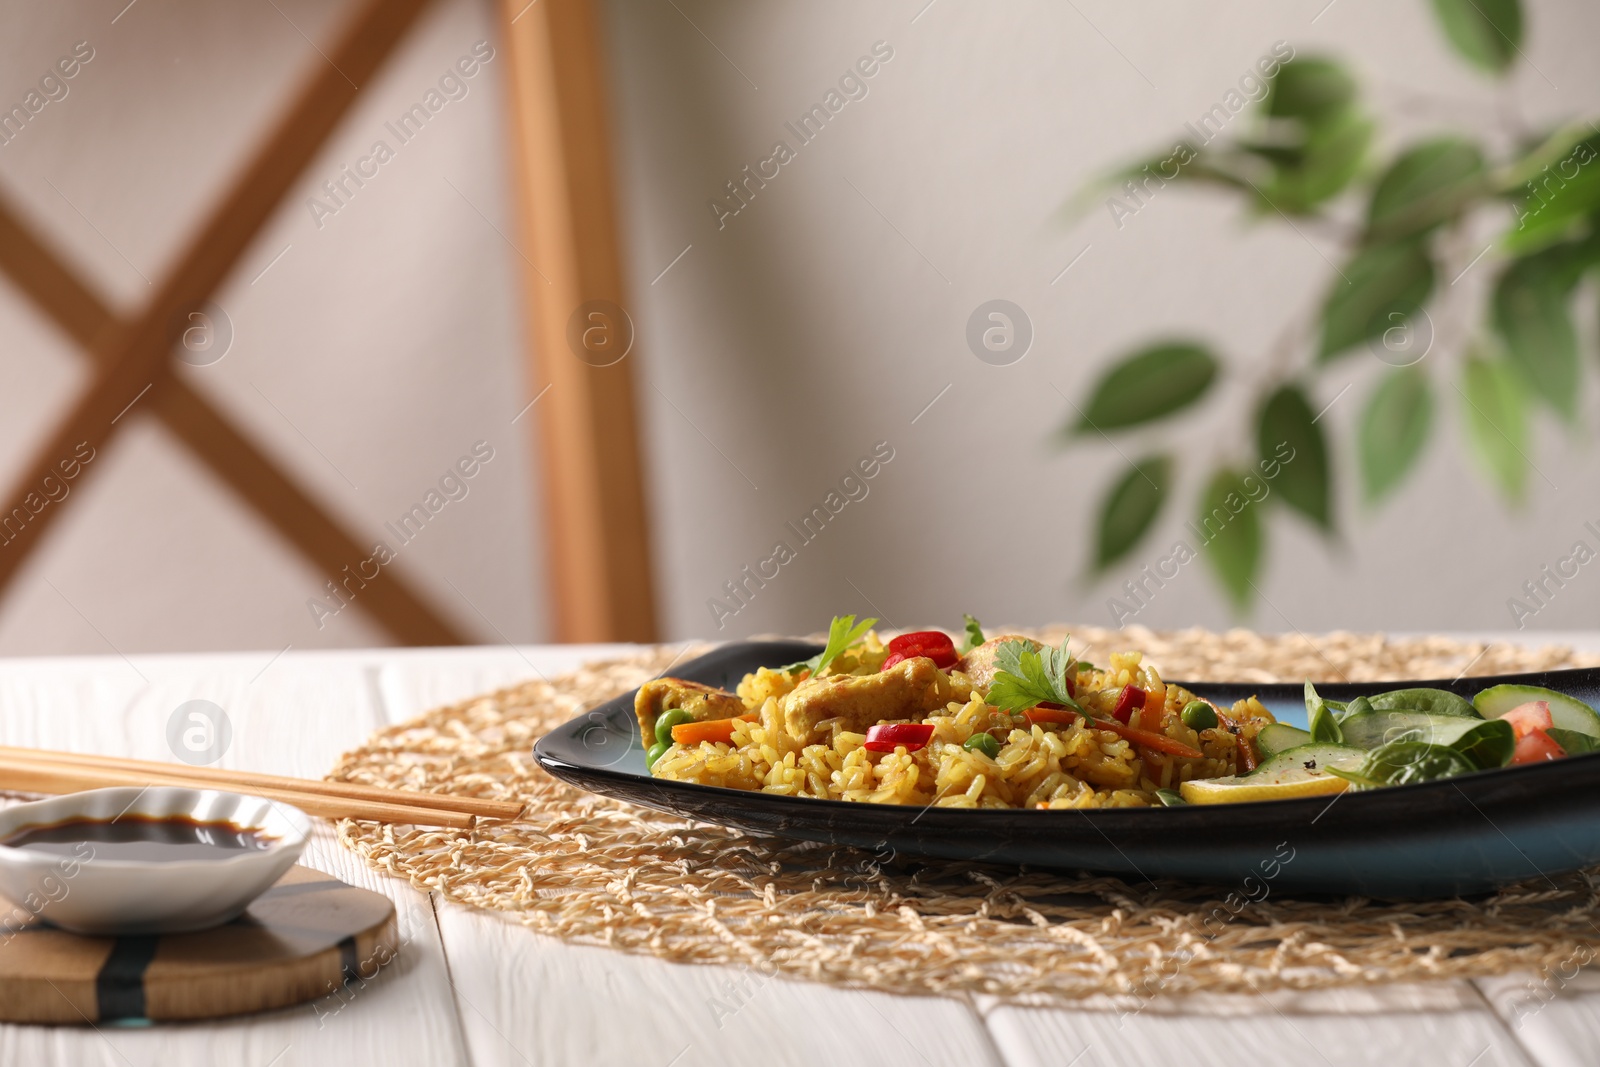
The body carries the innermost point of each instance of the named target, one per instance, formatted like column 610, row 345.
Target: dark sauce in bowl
column 142, row 838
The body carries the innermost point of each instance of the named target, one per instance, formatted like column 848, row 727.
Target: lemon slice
column 1239, row 790
column 1296, row 772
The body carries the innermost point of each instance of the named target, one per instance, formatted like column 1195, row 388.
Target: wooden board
column 306, row 937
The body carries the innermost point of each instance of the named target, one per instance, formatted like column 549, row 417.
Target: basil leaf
column 1394, row 428
column 1320, row 718
column 1148, row 385
column 1130, row 508
column 1430, row 701
column 1485, row 742
column 1573, row 742
column 1406, row 762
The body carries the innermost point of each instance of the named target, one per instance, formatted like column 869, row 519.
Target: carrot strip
column 692, row 733
column 1247, row 751
column 1147, row 738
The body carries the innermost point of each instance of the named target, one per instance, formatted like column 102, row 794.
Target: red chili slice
column 893, row 658
column 886, row 737
column 933, row 644
column 1131, row 697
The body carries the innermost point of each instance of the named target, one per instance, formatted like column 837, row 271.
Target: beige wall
column 775, row 353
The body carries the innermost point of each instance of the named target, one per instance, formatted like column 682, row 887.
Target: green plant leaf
column 1147, row 385
column 1394, row 427
column 1332, row 156
column 1487, row 33
column 1382, row 286
column 1130, row 508
column 1553, row 190
column 974, row 633
column 1532, row 316
column 1427, row 184
column 1230, row 523
column 1495, row 409
column 1310, row 88
column 1287, row 418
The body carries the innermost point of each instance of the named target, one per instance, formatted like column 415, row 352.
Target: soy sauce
column 145, row 838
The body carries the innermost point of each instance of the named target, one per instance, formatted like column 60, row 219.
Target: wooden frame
column 598, row 537
column 133, row 355
column 588, row 444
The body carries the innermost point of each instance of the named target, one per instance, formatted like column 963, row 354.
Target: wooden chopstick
column 486, row 809
column 44, row 776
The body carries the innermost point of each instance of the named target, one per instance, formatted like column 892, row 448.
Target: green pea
column 1198, row 715
column 669, row 719
column 657, row 750
column 984, row 743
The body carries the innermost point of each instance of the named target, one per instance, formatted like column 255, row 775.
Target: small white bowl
column 128, row 897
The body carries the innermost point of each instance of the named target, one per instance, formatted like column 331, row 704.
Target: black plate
column 1463, row 835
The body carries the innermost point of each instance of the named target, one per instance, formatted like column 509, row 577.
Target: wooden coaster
column 302, row 939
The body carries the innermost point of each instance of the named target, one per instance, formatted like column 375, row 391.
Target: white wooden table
column 472, row 988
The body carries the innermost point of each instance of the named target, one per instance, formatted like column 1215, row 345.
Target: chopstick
column 38, row 771
column 487, row 809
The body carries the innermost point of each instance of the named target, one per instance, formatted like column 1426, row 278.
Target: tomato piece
column 934, row 644
column 1536, row 746
column 893, row 658
column 886, row 737
column 1526, row 718
column 1131, row 697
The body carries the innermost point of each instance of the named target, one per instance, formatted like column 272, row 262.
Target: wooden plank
column 293, row 719
column 1444, row 1024
column 594, row 511
column 259, row 482
column 134, row 355
column 1556, row 1016
column 526, row 998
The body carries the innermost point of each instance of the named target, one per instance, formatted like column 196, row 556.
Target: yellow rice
column 1073, row 766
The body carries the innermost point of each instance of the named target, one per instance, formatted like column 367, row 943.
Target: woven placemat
column 600, row 871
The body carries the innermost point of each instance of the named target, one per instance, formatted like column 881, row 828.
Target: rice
column 1037, row 766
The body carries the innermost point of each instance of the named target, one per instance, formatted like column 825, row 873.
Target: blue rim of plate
column 1470, row 834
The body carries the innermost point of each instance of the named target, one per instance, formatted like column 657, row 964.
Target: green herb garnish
column 1404, row 762
column 974, row 634
column 1320, row 718
column 1028, row 677
column 843, row 632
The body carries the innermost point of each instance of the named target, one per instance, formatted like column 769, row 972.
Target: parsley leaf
column 974, row 634
column 843, row 632
column 1029, row 676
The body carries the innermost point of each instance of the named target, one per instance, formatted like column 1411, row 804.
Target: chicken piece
column 908, row 690
column 703, row 702
column 979, row 664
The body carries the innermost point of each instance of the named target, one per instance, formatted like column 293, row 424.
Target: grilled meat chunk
column 908, row 690
column 704, row 702
column 979, row 664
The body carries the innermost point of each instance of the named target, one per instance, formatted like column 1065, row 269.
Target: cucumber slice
column 1280, row 737
column 1569, row 713
column 1306, row 761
